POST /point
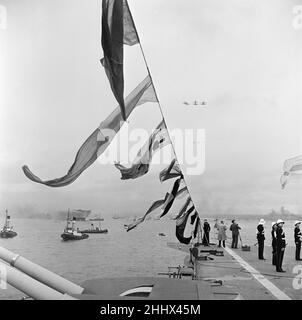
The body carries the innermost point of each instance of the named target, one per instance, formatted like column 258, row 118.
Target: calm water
column 140, row 252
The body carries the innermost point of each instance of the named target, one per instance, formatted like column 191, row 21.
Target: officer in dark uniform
column 235, row 233
column 260, row 238
column 206, row 233
column 298, row 239
column 274, row 242
column 280, row 245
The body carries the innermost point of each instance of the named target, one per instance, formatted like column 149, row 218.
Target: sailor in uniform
column 274, row 242
column 298, row 239
column 260, row 238
column 280, row 245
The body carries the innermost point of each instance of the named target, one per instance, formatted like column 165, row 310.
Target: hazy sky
column 243, row 57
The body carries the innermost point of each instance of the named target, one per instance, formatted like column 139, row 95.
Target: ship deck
column 254, row 279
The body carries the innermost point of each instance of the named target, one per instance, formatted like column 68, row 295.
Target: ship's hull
column 78, row 215
column 94, row 231
column 69, row 236
column 7, row 234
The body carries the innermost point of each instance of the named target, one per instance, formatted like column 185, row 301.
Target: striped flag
column 291, row 167
column 183, row 224
column 117, row 29
column 135, row 171
column 182, row 192
column 101, row 138
column 183, row 209
column 172, row 171
column 165, row 203
column 158, row 139
column 170, row 199
column 130, row 34
column 153, row 207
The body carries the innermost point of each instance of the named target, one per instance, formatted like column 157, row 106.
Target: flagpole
column 5, row 216
column 158, row 102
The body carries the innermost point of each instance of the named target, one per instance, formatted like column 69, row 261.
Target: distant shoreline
column 222, row 217
column 265, row 217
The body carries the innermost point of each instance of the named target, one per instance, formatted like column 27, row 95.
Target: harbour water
column 140, row 252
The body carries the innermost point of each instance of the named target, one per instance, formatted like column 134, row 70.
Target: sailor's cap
column 273, row 223
column 280, row 221
column 297, row 222
column 262, row 221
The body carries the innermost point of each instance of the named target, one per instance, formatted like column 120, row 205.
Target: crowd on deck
column 277, row 236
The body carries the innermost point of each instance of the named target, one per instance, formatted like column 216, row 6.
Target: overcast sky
column 243, row 57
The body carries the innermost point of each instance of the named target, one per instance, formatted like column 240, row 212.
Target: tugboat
column 94, row 229
column 7, row 231
column 70, row 233
column 161, row 234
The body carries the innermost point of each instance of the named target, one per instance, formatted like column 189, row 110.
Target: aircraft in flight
column 195, row 103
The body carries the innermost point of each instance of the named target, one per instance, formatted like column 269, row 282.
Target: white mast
column 6, row 225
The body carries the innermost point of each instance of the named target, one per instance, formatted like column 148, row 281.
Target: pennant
column 133, row 172
column 117, row 29
column 130, row 34
column 197, row 227
column 183, row 209
column 158, row 139
column 170, row 199
column 154, row 206
column 291, row 167
column 180, row 193
column 172, row 171
column 100, row 139
column 193, row 217
column 165, row 203
column 181, row 224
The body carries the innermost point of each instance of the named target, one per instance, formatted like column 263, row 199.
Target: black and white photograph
column 150, row 150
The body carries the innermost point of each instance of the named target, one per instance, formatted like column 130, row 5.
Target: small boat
column 70, row 233
column 94, row 229
column 73, row 235
column 7, row 231
column 161, row 234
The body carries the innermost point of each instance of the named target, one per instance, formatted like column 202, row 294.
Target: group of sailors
column 278, row 242
column 222, row 237
column 277, row 233
column 221, row 233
